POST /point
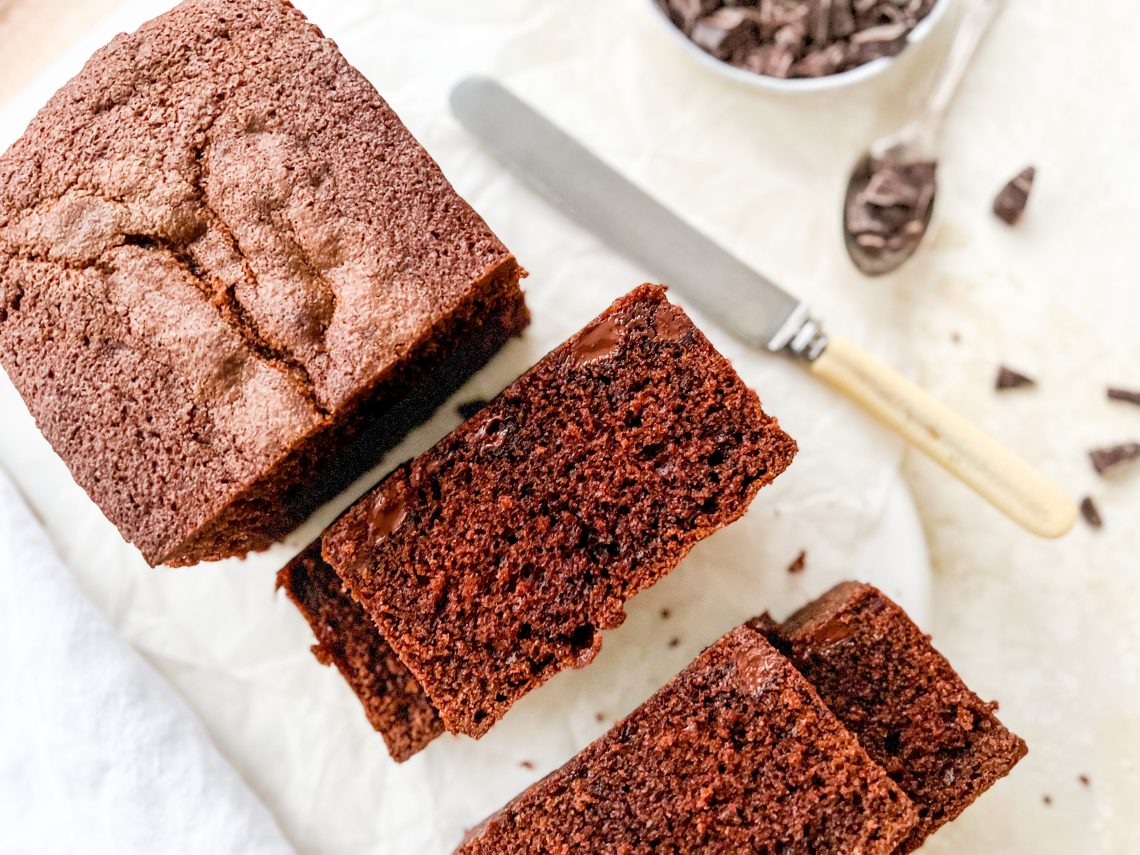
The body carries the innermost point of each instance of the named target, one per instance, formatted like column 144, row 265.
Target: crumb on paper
column 1091, row 512
column 527, row 764
column 800, row 564
column 674, row 642
column 467, row 409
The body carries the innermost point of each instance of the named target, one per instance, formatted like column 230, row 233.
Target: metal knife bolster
column 733, row 295
column 801, row 336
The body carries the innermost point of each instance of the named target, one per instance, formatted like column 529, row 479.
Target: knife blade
column 740, row 300
column 750, row 306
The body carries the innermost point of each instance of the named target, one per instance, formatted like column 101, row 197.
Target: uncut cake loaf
column 910, row 711
column 737, row 754
column 230, row 278
column 497, row 558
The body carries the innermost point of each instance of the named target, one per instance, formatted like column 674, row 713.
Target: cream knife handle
column 997, row 474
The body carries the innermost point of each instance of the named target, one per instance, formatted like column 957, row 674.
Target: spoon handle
column 975, row 24
column 965, row 450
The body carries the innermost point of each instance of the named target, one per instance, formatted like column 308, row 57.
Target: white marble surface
column 1049, row 629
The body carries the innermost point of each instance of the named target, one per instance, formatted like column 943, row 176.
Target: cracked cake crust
column 222, row 255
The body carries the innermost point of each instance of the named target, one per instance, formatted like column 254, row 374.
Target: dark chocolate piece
column 1007, row 378
column 523, row 533
column 736, row 754
column 1011, row 201
column 1125, row 395
column 798, row 38
column 1091, row 513
column 230, row 278
column 911, row 712
column 1107, row 460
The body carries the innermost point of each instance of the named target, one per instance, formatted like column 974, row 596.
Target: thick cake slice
column 222, row 256
column 911, row 712
column 497, row 558
column 346, row 637
column 736, row 754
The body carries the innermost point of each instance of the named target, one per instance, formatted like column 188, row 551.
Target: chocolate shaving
column 1011, row 201
column 1007, row 378
column 890, row 212
column 1091, row 513
column 1124, row 395
column 799, row 564
column 798, row 38
column 1107, row 460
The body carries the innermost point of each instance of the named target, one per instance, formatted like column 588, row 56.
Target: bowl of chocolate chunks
column 798, row 45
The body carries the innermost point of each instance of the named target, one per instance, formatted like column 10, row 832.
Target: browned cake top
column 495, row 559
column 214, row 236
column 736, row 754
column 346, row 637
column 910, row 710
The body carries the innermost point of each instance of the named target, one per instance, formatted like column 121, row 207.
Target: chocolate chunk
column 1124, row 395
column 1007, row 378
column 799, row 565
column 469, row 408
column 1091, row 513
column 798, row 38
column 1106, row 460
column 1011, row 201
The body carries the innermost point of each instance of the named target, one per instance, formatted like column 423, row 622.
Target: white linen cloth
column 97, row 753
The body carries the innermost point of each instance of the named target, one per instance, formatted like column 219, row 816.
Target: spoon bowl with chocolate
column 798, row 45
column 891, row 192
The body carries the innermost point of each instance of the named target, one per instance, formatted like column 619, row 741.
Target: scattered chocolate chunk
column 1124, row 395
column 799, row 564
column 1084, row 779
column 469, row 408
column 1106, row 460
column 674, row 642
column 1007, row 378
column 1091, row 513
column 526, row 764
column 798, row 38
column 1011, row 201
column 887, row 211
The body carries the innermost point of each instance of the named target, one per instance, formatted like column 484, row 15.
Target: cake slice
column 497, row 558
column 346, row 637
column 230, row 278
column 736, row 754
column 911, row 712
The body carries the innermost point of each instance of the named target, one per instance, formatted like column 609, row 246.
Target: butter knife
column 748, row 305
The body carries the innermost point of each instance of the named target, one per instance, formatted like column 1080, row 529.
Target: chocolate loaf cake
column 346, row 637
column 736, row 754
column 910, row 711
column 221, row 257
column 496, row 559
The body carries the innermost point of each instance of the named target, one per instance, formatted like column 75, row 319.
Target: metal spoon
column 910, row 155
